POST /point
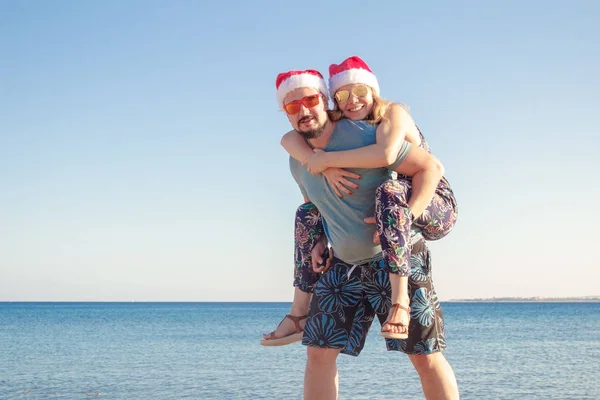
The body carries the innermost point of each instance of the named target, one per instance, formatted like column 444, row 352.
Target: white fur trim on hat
column 355, row 75
column 299, row 79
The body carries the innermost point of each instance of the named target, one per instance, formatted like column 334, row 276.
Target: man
column 347, row 297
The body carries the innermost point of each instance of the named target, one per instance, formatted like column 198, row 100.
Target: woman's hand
column 336, row 177
column 316, row 163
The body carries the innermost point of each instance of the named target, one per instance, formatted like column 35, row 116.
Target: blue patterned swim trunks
column 347, row 298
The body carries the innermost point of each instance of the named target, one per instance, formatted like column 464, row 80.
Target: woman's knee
column 306, row 209
column 397, row 190
column 308, row 213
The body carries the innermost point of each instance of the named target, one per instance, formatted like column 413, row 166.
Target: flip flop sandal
column 289, row 339
column 391, row 335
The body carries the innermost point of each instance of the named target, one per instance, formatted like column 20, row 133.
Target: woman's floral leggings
column 394, row 220
column 394, row 224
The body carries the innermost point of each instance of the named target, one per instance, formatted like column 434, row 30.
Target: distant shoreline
column 587, row 299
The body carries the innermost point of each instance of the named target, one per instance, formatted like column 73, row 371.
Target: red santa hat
column 288, row 81
column 351, row 70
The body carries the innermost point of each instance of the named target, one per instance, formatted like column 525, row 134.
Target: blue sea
column 211, row 351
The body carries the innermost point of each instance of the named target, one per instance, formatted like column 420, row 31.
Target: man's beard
column 312, row 133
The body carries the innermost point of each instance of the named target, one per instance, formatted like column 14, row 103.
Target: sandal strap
column 398, row 305
column 296, row 320
column 394, row 311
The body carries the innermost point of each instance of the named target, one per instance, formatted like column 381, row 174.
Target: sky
column 140, row 156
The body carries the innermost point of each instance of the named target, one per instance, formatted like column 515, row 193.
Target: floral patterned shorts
column 347, row 298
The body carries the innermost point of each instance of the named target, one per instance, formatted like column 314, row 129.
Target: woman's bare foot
column 291, row 326
column 290, row 330
column 286, row 327
column 396, row 325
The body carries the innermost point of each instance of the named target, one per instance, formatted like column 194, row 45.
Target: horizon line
column 591, row 298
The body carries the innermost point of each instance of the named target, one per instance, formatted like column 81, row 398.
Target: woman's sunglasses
column 359, row 91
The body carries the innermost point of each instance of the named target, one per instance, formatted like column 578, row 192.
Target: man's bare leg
column 437, row 378
column 321, row 376
column 299, row 307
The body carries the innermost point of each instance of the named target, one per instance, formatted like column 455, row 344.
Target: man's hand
column 316, row 163
column 371, row 220
column 317, row 257
column 336, row 178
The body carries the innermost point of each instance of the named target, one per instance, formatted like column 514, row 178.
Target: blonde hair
column 377, row 113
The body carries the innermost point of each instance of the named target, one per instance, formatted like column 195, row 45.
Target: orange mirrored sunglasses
column 358, row 91
column 293, row 107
